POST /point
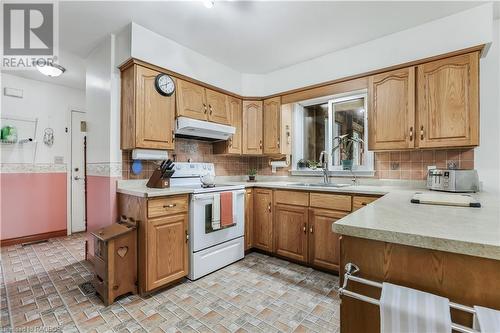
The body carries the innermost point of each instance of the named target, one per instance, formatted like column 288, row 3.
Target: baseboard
column 33, row 238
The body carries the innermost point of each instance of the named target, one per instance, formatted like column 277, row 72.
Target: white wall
column 50, row 103
column 487, row 155
column 103, row 104
column 156, row 49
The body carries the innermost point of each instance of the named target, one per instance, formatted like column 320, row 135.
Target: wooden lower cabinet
column 290, row 230
column 162, row 238
column 248, row 219
column 263, row 219
column 167, row 250
column 324, row 244
column 463, row 279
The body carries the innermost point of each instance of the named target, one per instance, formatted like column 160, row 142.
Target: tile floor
column 256, row 294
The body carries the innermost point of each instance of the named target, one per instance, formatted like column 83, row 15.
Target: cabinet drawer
column 331, row 201
column 167, row 206
column 360, row 201
column 291, row 198
column 100, row 268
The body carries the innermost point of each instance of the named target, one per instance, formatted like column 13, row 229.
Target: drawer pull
column 169, row 206
column 311, row 230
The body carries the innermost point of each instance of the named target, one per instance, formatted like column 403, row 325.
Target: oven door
column 200, row 221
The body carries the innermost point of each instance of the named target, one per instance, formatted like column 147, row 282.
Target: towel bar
column 351, row 269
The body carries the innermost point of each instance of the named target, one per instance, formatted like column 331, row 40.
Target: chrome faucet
column 323, row 159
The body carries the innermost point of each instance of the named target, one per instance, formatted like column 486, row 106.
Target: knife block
column 155, row 181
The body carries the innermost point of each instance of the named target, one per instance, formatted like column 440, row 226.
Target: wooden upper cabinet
column 391, row 114
column 218, row 111
column 272, row 125
column 448, row 102
column 252, row 128
column 234, row 144
column 324, row 244
column 191, row 100
column 277, row 127
column 290, row 230
column 147, row 117
column 263, row 219
column 167, row 250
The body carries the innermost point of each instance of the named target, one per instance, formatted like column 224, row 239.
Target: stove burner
column 207, row 186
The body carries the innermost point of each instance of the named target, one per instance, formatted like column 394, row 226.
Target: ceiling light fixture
column 52, row 70
column 209, row 3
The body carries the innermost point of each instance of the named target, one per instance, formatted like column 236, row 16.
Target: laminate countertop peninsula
column 393, row 218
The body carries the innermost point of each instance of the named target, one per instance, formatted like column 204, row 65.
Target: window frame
column 368, row 169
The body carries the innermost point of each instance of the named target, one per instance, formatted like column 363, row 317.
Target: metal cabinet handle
column 210, row 107
column 278, row 143
column 422, row 132
column 311, row 230
column 205, row 107
column 304, row 228
column 173, row 136
column 269, row 207
column 187, row 236
column 411, row 133
column 77, row 178
column 169, row 206
column 260, row 144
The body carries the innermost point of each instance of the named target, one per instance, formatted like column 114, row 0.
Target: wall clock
column 164, row 84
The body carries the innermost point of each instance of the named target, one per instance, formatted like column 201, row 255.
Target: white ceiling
column 250, row 37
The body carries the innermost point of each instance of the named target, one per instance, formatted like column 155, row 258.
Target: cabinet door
column 448, row 102
column 248, row 219
column 290, row 229
column 324, row 244
column 271, row 124
column 218, row 110
column 154, row 113
column 191, row 100
column 391, row 115
column 167, row 250
column 263, row 220
column 234, row 105
column 252, row 127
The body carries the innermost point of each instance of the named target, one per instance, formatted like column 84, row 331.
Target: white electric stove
column 210, row 249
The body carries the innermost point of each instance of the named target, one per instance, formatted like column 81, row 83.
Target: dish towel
column 406, row 310
column 216, row 212
column 226, row 209
column 487, row 320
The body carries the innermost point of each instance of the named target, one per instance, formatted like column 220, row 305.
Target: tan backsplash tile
column 388, row 165
column 202, row 151
column 413, row 164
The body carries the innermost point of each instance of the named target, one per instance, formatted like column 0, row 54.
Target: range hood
column 204, row 130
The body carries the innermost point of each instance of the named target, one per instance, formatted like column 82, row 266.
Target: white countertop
column 393, row 218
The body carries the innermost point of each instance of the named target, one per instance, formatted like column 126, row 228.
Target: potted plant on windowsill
column 251, row 175
column 345, row 143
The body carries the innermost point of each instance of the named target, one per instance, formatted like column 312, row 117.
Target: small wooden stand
column 115, row 261
column 155, row 181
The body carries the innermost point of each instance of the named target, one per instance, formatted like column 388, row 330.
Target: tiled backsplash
column 413, row 165
column 388, row 165
column 201, row 151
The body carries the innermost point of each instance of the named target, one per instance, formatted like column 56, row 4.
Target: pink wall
column 102, row 207
column 32, row 203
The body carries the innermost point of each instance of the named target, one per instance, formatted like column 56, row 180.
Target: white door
column 78, row 133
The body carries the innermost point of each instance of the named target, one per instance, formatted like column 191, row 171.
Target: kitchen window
column 338, row 125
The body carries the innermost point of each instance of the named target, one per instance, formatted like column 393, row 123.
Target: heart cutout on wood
column 122, row 251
